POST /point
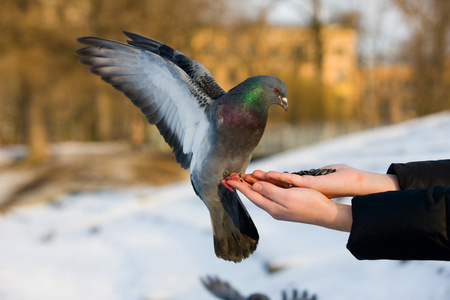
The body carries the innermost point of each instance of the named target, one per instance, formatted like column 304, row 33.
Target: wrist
column 378, row 183
column 339, row 217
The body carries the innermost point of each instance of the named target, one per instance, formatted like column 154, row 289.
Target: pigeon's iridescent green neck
column 252, row 94
column 252, row 98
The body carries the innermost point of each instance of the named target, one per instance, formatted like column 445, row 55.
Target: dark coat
column 410, row 224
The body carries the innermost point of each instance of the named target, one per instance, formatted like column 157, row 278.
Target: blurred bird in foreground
column 225, row 291
column 211, row 131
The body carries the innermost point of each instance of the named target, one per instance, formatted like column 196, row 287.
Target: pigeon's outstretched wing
column 165, row 93
column 193, row 68
column 221, row 289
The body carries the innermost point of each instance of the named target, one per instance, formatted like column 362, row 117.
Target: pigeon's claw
column 232, row 176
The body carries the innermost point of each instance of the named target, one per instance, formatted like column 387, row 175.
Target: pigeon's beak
column 283, row 102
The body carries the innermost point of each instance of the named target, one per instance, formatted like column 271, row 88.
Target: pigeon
column 211, row 132
column 223, row 290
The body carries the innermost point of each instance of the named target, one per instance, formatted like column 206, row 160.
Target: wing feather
column 130, row 86
column 118, row 80
column 138, row 94
column 110, row 71
column 147, row 109
column 164, row 92
column 193, row 68
column 157, row 116
column 106, row 52
column 105, row 61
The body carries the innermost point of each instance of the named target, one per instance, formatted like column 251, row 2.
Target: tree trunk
column 36, row 134
column 103, row 116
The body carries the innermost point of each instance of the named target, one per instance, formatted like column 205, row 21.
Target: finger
column 241, row 186
column 307, row 181
column 258, row 174
column 284, row 179
column 264, row 176
column 249, row 178
column 240, row 181
column 255, row 196
column 270, row 191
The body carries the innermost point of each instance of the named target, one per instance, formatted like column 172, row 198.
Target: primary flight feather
column 212, row 132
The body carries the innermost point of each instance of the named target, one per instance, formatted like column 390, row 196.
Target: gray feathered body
column 233, row 136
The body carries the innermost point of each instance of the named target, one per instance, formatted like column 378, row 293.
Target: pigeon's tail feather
column 235, row 235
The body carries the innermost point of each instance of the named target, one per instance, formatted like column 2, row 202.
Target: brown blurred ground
column 122, row 167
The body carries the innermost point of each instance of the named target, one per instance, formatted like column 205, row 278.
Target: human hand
column 297, row 204
column 346, row 181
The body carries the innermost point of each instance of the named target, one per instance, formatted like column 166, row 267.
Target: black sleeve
column 402, row 225
column 422, row 174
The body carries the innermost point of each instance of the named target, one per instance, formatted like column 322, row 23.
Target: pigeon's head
column 258, row 93
column 275, row 90
column 262, row 91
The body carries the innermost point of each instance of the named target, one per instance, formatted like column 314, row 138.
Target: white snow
column 155, row 243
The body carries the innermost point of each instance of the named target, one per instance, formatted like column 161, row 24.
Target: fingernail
column 257, row 187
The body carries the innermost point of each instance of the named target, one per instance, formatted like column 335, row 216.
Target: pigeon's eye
column 276, row 90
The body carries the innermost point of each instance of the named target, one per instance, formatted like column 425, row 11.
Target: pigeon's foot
column 232, row 176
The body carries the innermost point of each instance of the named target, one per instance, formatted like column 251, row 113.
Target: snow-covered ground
column 155, row 243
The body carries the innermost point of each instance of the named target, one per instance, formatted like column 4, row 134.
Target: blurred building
column 290, row 53
column 388, row 90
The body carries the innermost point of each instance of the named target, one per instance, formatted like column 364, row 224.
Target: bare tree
column 24, row 61
column 428, row 51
